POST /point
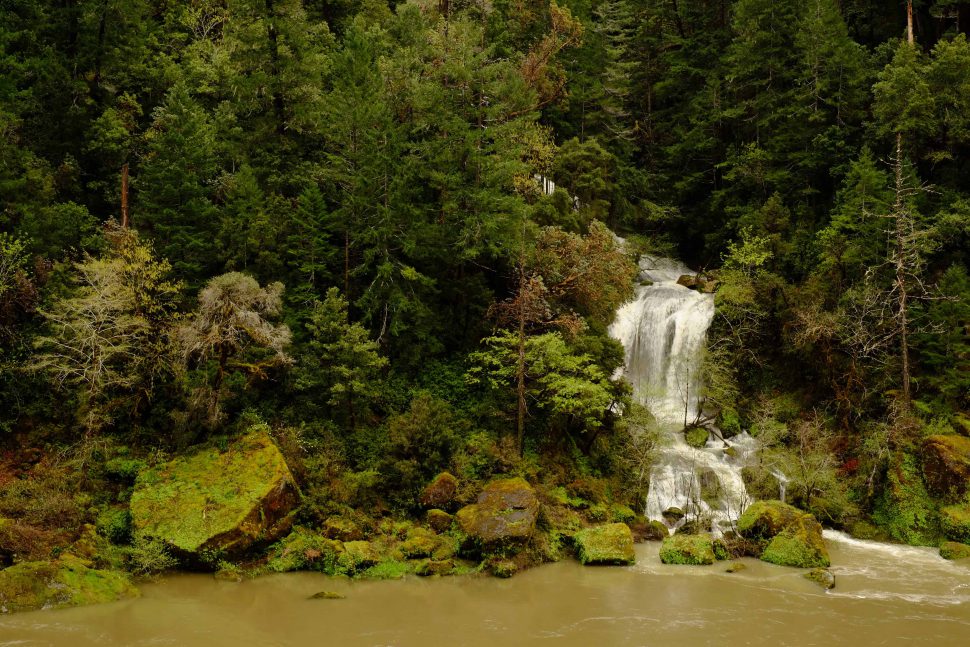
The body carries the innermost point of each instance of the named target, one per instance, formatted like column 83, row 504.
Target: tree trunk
column 124, row 196
column 520, row 368
column 902, row 220
column 910, row 36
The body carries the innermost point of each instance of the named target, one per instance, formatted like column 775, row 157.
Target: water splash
column 663, row 331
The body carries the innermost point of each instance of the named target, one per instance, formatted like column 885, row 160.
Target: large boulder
column 506, row 511
column 691, row 550
column 66, row 582
column 946, row 466
column 217, row 502
column 609, row 544
column 782, row 534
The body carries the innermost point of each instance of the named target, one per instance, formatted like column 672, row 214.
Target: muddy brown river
column 885, row 595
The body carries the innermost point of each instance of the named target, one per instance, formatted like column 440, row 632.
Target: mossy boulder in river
column 954, row 550
column 946, row 466
column 506, row 511
column 955, row 521
column 66, row 582
column 692, row 550
column 218, row 502
column 609, row 544
column 782, row 534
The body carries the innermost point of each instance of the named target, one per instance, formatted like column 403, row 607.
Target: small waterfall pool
column 664, row 331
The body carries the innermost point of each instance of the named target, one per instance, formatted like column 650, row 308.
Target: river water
column 885, row 595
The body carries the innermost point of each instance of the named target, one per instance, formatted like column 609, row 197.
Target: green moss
column 762, row 520
column 622, row 513
column 421, row 542
column 388, row 570
column 503, row 568
column 67, row 582
column 114, row 524
column 782, row 534
column 696, row 436
column 303, row 550
column 794, row 547
column 692, row 550
column 954, row 550
column 730, row 422
column 955, row 520
column 905, row 509
column 821, row 576
column 609, row 544
column 356, row 556
column 214, row 500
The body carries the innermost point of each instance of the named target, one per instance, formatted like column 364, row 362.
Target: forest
column 379, row 239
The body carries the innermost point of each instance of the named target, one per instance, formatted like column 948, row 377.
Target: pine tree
column 174, row 185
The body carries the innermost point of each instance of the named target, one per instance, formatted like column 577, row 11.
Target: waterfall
column 663, row 331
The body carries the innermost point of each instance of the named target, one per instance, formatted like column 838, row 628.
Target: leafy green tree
column 174, row 190
column 567, row 389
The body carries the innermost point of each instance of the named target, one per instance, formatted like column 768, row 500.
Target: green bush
column 114, row 524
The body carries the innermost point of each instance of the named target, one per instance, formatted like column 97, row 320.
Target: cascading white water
column 664, row 330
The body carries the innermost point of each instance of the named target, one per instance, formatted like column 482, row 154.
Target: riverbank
column 888, row 594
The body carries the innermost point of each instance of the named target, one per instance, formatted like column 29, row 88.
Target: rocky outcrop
column 609, row 544
column 782, row 534
column 506, row 511
column 217, row 502
column 690, row 550
column 946, row 466
column 66, row 582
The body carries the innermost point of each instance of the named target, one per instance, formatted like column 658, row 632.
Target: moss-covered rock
column 503, row 568
column 66, row 582
column 506, row 511
column 946, row 466
column 609, row 544
column 955, row 521
column 421, row 542
column 342, row 529
column 692, row 550
column 357, row 556
column 954, row 550
column 673, row 515
column 438, row 520
column 429, row 567
column 327, row 595
column 649, row 530
column 213, row 501
column 303, row 550
column 441, row 492
column 622, row 513
column 821, row 576
column 782, row 534
column 696, row 436
column 735, row 567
